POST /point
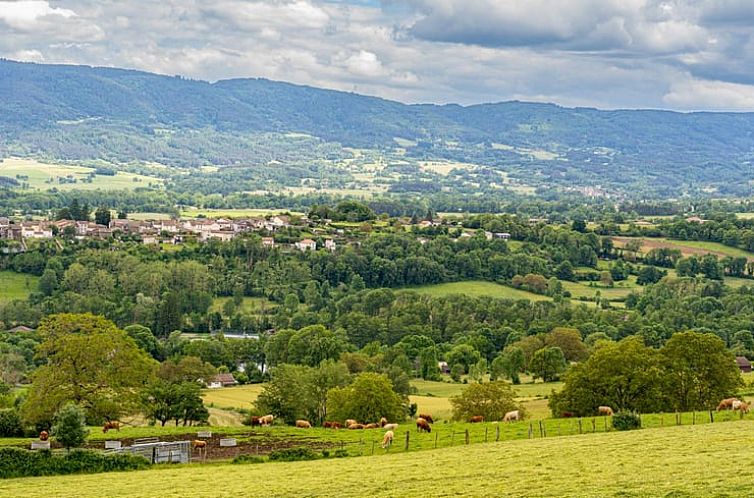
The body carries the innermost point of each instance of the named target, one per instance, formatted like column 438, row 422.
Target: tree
column 492, row 400
column 70, row 426
column 578, row 225
column 569, row 341
column 606, row 279
column 699, row 371
column 625, row 375
column 513, row 362
column 49, row 282
column 144, row 338
column 314, row 344
column 564, row 271
column 369, row 398
column 102, row 216
column 463, row 354
column 428, row 364
column 547, row 364
column 301, row 392
column 187, row 369
column 478, row 370
column 649, row 275
column 90, row 362
column 456, row 371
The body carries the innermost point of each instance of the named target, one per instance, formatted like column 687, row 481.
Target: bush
column 70, row 426
column 626, row 421
column 341, row 453
column 491, row 400
column 293, row 455
column 10, row 424
column 18, row 462
column 248, row 459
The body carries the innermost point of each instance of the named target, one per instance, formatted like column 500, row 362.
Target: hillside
column 82, row 113
column 678, row 461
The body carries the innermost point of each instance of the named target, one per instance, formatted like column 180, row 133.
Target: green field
column 709, row 460
column 618, row 292
column 477, row 288
column 232, row 397
column 16, row 285
column 687, row 247
column 43, row 176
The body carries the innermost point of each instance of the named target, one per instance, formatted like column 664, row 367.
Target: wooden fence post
column 677, row 418
column 437, row 434
column 467, row 436
column 497, row 432
column 711, row 417
column 408, row 433
column 662, row 419
column 579, row 426
column 693, row 417
column 594, row 425
column 485, row 434
column 372, row 446
column 605, row 419
column 541, row 429
column 531, row 430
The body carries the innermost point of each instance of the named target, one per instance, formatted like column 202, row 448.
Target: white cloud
column 25, row 14
column 694, row 94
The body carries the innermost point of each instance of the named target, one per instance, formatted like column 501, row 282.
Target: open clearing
column 16, row 285
column 42, row 176
column 477, row 288
column 708, row 460
column 687, row 247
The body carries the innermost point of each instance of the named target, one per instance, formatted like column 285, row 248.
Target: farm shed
column 160, row 451
column 222, row 380
column 743, row 364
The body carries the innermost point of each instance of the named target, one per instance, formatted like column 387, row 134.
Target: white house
column 306, row 245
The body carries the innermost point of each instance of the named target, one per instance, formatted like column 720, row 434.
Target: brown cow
column 476, row 419
column 372, row 426
column 350, row 422
column 605, row 410
column 331, row 425
column 741, row 406
column 566, row 415
column 354, row 427
column 387, row 439
column 303, row 424
column 383, row 422
column 513, row 416
column 199, row 445
column 423, row 425
column 44, row 436
column 254, row 421
column 427, row 417
column 727, row 404
column 111, row 424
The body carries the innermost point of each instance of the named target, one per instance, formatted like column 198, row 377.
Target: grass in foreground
column 708, row 460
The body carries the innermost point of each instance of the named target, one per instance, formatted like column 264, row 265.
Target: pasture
column 248, row 305
column 708, row 460
column 194, row 212
column 43, row 176
column 687, row 247
column 16, row 285
column 477, row 288
column 232, row 397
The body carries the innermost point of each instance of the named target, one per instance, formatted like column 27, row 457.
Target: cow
column 476, row 419
column 350, row 422
column 254, row 421
column 727, row 404
column 383, row 422
column 372, row 426
column 387, row 439
column 566, row 415
column 422, row 425
column 44, row 436
column 605, row 410
column 331, row 425
column 355, row 427
column 303, row 424
column 266, row 420
column 390, row 427
column 427, row 417
column 513, row 416
column 111, row 424
column 199, row 445
column 741, row 406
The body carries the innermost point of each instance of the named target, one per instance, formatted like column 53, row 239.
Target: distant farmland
column 687, row 247
column 476, row 288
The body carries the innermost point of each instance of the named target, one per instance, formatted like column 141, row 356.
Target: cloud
column 603, row 53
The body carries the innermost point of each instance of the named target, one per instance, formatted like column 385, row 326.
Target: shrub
column 10, row 424
column 248, row 459
column 492, row 400
column 70, row 426
column 293, row 455
column 18, row 462
column 341, row 453
column 626, row 421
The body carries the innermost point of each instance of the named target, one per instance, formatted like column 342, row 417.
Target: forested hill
column 81, row 112
column 37, row 95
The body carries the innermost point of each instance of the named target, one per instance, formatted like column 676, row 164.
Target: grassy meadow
column 687, row 247
column 16, row 285
column 476, row 288
column 40, row 176
column 703, row 460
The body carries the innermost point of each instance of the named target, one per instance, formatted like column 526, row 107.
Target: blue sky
column 671, row 54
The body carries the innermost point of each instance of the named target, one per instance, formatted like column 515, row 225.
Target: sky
column 669, row 54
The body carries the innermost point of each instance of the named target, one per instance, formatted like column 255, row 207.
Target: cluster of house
column 157, row 231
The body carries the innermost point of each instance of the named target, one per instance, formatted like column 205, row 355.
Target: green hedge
column 18, row 462
column 293, row 455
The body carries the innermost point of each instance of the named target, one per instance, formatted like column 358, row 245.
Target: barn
column 743, row 364
column 222, row 380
